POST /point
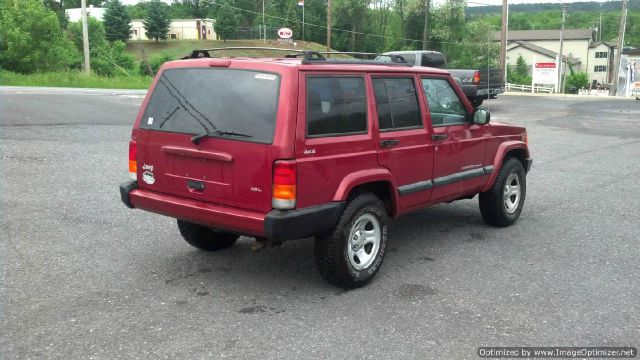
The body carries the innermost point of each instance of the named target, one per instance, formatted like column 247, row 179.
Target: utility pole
column 503, row 38
column 264, row 28
column 328, row 26
column 85, row 37
column 623, row 24
column 600, row 26
column 561, row 57
column 426, row 24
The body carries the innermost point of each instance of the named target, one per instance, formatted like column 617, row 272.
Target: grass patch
column 176, row 49
column 74, row 79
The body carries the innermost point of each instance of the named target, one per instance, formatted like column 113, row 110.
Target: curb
column 66, row 90
column 569, row 96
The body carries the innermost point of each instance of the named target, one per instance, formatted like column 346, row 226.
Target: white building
column 188, row 29
column 75, row 15
column 191, row 29
column 584, row 54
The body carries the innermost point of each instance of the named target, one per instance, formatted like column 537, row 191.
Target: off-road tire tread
column 491, row 202
column 329, row 246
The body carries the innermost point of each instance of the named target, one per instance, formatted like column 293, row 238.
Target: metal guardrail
column 528, row 88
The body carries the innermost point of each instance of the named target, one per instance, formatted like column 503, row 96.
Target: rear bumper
column 279, row 225
column 484, row 92
column 285, row 225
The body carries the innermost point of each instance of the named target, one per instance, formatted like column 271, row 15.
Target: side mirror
column 481, row 116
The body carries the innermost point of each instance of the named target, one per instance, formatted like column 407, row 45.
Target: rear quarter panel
column 324, row 162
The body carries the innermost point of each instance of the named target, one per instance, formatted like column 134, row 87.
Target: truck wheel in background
column 502, row 204
column 205, row 238
column 476, row 102
column 350, row 255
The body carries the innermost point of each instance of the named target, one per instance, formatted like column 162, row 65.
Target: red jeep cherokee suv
column 289, row 148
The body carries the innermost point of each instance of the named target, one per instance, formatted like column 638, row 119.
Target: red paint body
column 239, row 175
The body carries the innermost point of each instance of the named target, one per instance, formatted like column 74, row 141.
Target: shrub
column 577, row 81
column 154, row 62
column 112, row 59
column 107, row 59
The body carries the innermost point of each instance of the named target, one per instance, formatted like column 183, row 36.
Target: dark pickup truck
column 478, row 85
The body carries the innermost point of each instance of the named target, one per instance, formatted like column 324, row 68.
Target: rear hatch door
column 231, row 166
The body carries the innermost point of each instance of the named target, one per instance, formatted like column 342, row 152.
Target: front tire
column 502, row 204
column 205, row 238
column 350, row 255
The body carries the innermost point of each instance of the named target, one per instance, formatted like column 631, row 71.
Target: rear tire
column 205, row 238
column 350, row 255
column 502, row 204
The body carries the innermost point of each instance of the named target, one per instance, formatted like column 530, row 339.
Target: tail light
column 284, row 185
column 476, row 77
column 525, row 139
column 133, row 164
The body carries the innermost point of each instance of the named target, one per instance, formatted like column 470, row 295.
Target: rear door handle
column 439, row 136
column 389, row 143
column 195, row 185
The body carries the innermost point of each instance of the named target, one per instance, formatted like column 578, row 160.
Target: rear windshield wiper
column 196, row 138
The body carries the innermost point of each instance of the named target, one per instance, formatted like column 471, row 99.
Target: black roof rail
column 199, row 53
column 308, row 56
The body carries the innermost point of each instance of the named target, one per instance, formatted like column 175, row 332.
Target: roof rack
column 309, row 56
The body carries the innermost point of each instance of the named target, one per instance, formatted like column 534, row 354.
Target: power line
column 332, row 28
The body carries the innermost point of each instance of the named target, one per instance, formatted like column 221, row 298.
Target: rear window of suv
column 199, row 100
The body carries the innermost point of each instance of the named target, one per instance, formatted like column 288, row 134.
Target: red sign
column 547, row 65
column 285, row 33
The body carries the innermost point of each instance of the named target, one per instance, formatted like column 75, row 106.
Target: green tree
column 157, row 21
column 226, row 21
column 117, row 22
column 106, row 58
column 519, row 75
column 352, row 12
column 137, row 11
column 31, row 38
column 196, row 8
column 97, row 34
column 56, row 6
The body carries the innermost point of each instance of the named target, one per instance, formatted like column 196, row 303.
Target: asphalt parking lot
column 85, row 277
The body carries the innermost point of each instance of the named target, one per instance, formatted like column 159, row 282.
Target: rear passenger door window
column 397, row 103
column 336, row 105
column 444, row 104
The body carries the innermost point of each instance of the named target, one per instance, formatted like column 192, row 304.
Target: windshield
column 199, row 100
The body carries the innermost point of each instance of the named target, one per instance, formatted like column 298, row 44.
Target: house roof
column 535, row 48
column 541, row 50
column 598, row 43
column 528, row 35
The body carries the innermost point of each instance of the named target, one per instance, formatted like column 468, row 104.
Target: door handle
column 389, row 143
column 439, row 136
column 195, row 185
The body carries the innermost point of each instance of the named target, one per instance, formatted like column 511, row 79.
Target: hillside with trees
column 461, row 32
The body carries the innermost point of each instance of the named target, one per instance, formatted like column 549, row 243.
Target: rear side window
column 198, row 100
column 336, row 106
column 397, row 103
